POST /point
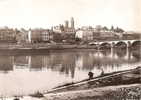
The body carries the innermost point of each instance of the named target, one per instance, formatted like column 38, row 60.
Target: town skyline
column 68, row 24
column 48, row 13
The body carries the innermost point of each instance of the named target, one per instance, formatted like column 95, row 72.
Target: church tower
column 72, row 22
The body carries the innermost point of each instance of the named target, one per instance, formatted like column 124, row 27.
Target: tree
column 118, row 30
column 105, row 28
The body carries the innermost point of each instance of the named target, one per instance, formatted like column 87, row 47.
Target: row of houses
column 7, row 35
column 90, row 34
column 47, row 35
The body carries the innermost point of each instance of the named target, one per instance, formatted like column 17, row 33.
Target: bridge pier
column 112, row 52
column 128, row 54
column 128, row 44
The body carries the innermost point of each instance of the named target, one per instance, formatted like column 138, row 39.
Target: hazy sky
column 47, row 13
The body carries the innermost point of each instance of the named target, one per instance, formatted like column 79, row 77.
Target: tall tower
column 29, row 36
column 66, row 24
column 72, row 22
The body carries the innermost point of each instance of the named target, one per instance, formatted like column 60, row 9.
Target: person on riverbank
column 102, row 72
column 90, row 74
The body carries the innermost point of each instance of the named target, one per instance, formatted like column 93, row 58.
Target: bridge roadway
column 112, row 43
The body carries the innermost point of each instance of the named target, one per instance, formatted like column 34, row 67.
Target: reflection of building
column 36, row 62
column 68, row 64
column 62, row 62
column 6, row 63
column 22, row 61
column 79, row 61
column 47, row 61
column 88, row 61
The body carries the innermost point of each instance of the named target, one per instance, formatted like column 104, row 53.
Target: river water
column 24, row 74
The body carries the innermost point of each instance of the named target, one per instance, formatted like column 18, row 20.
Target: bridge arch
column 121, row 44
column 104, row 45
column 136, row 43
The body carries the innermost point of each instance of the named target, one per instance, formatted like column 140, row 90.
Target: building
column 7, row 35
column 22, row 36
column 84, row 35
column 71, row 29
column 64, row 32
column 65, row 29
column 58, row 29
column 66, row 24
column 87, row 33
column 72, row 23
column 46, row 35
column 39, row 35
column 107, row 34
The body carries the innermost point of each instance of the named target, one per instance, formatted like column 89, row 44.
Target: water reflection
column 67, row 61
column 6, row 63
column 49, row 70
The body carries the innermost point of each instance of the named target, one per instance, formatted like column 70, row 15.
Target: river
column 25, row 74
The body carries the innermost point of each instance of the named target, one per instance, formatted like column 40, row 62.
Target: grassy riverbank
column 121, row 92
column 104, row 87
column 116, row 78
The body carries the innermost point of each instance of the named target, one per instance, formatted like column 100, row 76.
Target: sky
column 46, row 13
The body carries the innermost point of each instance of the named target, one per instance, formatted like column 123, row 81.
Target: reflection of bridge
column 127, row 43
column 117, row 43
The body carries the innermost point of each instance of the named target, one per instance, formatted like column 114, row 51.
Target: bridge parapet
column 128, row 43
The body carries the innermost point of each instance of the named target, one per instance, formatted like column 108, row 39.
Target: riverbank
column 61, row 46
column 118, row 86
column 41, row 51
column 121, row 92
column 42, row 48
column 29, row 49
column 131, row 76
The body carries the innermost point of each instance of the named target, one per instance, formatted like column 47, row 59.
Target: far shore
column 47, row 48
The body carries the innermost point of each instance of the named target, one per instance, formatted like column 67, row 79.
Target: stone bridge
column 116, row 43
